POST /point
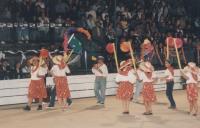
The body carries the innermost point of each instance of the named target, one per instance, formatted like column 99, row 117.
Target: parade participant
column 58, row 72
column 36, row 88
column 100, row 71
column 52, row 95
column 190, row 73
column 148, row 78
column 126, row 80
column 169, row 78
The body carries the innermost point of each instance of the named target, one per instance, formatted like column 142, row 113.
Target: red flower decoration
column 85, row 32
column 170, row 41
column 179, row 42
column 44, row 53
column 124, row 46
column 110, row 48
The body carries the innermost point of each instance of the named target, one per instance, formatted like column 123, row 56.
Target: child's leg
column 30, row 100
column 123, row 105
column 150, row 107
column 40, row 101
column 191, row 107
column 128, row 104
column 195, row 105
column 146, row 106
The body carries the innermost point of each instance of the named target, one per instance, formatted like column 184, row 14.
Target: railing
column 23, row 32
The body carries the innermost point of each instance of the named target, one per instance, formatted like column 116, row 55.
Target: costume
column 192, row 75
column 59, row 71
column 126, row 80
column 37, row 86
column 147, row 77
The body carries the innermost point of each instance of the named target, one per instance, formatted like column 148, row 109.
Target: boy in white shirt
column 100, row 71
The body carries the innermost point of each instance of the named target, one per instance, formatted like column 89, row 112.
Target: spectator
column 18, row 71
column 90, row 22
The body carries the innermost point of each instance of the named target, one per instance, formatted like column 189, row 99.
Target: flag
column 75, row 44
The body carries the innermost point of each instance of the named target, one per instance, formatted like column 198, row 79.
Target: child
column 190, row 73
column 169, row 78
column 147, row 76
column 125, row 79
column 59, row 71
column 36, row 88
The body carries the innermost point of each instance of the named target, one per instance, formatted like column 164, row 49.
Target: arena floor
column 84, row 113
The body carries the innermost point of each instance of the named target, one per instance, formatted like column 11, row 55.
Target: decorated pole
column 177, row 54
column 132, row 57
column 70, row 54
column 167, row 49
column 115, row 56
column 67, row 57
column 40, row 61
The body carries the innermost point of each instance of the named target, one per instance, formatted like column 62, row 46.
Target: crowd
column 131, row 19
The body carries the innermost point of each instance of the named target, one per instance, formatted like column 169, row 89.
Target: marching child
column 148, row 77
column 58, row 72
column 37, row 88
column 190, row 73
column 126, row 80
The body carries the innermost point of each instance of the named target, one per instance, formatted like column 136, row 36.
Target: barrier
column 15, row 91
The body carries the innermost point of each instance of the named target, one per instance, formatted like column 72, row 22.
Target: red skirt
column 192, row 92
column 125, row 91
column 62, row 89
column 37, row 89
column 148, row 92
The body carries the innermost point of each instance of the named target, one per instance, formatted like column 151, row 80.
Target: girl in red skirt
column 148, row 77
column 125, row 79
column 36, row 88
column 190, row 73
column 59, row 71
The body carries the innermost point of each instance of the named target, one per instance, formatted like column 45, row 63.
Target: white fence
column 15, row 91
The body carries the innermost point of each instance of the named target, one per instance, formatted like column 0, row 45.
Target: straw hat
column 146, row 66
column 57, row 59
column 192, row 64
column 33, row 59
column 192, row 68
column 123, row 64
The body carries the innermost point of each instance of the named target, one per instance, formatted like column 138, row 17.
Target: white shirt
column 190, row 79
column 144, row 78
column 168, row 74
column 42, row 71
column 130, row 77
column 139, row 72
column 39, row 72
column 104, row 70
column 56, row 71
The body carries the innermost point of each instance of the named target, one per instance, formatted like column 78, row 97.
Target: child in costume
column 190, row 73
column 148, row 77
column 58, row 72
column 126, row 80
column 37, row 88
